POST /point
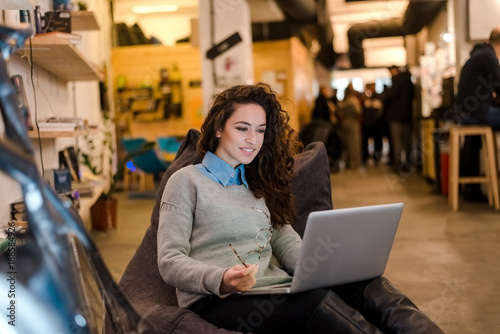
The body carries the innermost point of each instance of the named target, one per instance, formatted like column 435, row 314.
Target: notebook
column 342, row 246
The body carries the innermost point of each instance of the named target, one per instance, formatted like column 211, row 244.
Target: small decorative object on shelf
column 62, row 5
column 18, row 212
column 24, row 16
column 17, row 80
column 38, row 20
column 82, row 5
column 59, row 20
column 62, row 124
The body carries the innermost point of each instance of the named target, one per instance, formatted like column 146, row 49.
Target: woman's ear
column 218, row 134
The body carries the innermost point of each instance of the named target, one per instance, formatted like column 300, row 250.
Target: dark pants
column 273, row 313
column 469, row 166
column 374, row 132
column 401, row 140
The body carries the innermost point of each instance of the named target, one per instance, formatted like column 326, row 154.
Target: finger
column 251, row 269
column 248, row 280
column 239, row 267
column 239, row 271
column 256, row 269
column 253, row 272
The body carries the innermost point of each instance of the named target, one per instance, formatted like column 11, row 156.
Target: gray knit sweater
column 199, row 218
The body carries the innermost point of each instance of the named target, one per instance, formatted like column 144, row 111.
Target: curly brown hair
column 269, row 173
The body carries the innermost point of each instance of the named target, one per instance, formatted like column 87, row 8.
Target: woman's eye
column 241, row 129
column 261, row 130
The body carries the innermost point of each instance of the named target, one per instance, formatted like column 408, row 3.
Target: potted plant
column 99, row 156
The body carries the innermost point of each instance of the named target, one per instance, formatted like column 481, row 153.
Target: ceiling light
column 447, row 37
column 155, row 9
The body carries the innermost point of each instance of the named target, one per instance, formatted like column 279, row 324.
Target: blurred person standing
column 371, row 123
column 325, row 105
column 324, row 126
column 399, row 114
column 349, row 112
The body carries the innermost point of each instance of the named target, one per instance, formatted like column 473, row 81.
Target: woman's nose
column 250, row 137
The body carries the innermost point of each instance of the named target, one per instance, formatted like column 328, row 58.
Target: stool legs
column 493, row 192
column 453, row 183
column 491, row 172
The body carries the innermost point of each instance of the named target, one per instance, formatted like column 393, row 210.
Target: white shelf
column 16, row 4
column 57, row 134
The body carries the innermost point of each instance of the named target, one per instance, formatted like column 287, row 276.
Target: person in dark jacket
column 398, row 100
column 478, row 87
column 325, row 105
column 479, row 84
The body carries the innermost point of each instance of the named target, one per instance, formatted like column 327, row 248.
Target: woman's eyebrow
column 247, row 123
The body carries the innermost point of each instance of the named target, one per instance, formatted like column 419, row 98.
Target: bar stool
column 490, row 165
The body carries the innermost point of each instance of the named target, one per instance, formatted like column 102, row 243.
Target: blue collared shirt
column 220, row 171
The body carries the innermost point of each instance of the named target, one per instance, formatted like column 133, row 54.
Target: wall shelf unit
column 83, row 20
column 61, row 58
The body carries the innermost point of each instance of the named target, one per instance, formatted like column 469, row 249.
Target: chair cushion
column 311, row 184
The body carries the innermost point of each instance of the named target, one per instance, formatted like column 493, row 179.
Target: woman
column 224, row 226
column 349, row 112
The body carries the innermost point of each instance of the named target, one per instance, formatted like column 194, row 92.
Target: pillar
column 225, row 46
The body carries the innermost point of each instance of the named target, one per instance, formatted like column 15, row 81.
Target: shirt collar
column 223, row 171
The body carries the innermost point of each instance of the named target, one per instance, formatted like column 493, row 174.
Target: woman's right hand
column 239, row 278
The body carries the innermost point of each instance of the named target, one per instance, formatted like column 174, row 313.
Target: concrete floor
column 445, row 261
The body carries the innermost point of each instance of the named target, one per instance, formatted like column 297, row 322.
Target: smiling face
column 243, row 135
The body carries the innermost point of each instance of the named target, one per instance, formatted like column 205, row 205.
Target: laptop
column 342, row 246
